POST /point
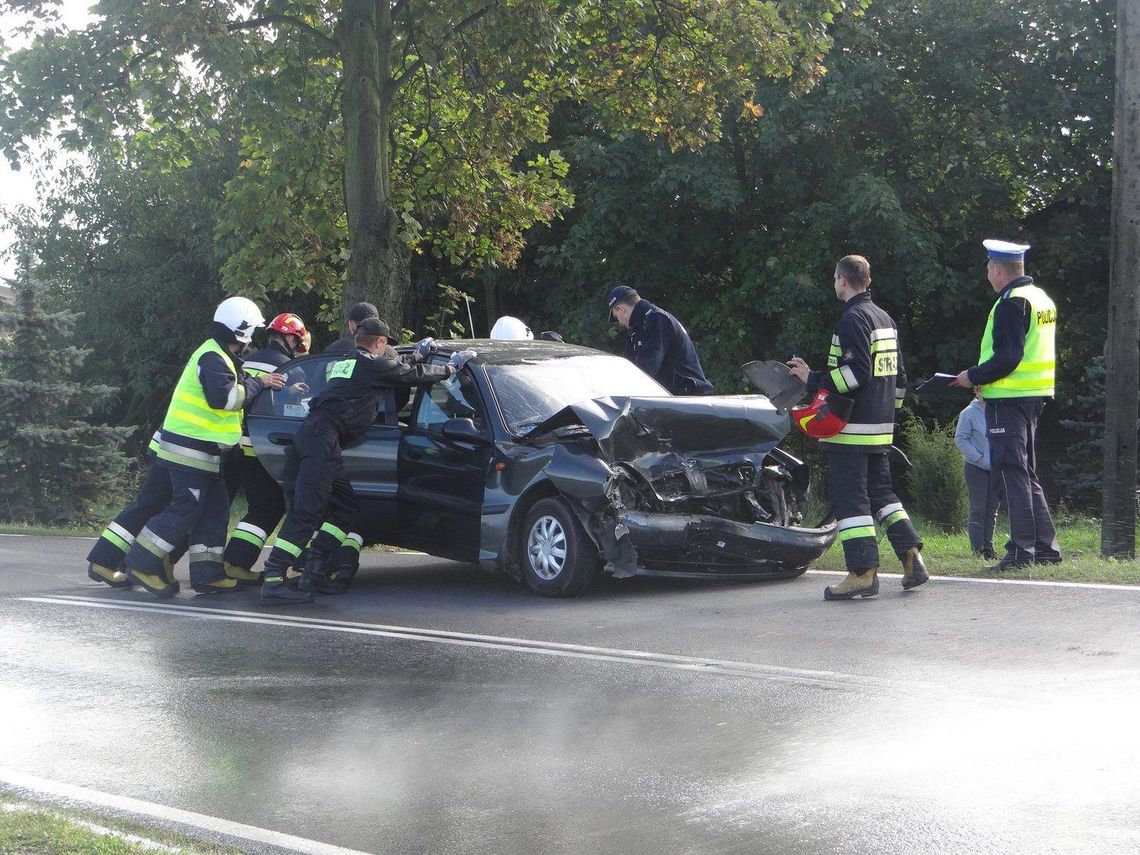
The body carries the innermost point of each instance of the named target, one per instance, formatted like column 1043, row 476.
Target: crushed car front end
column 691, row 486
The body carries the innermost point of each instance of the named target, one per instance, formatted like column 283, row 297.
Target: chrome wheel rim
column 546, row 548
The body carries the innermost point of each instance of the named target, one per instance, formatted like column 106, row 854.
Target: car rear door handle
column 415, row 455
column 281, row 438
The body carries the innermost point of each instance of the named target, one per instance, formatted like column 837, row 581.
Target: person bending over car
column 322, row 492
column 657, row 343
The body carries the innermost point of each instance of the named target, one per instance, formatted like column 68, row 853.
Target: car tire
column 558, row 558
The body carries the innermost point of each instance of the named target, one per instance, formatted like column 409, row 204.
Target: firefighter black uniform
column 202, row 423
column 1016, row 371
column 323, row 499
column 865, row 365
column 345, row 559
column 264, row 497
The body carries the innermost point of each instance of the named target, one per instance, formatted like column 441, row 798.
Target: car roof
column 503, row 352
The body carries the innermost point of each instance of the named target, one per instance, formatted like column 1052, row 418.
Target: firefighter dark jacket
column 358, row 383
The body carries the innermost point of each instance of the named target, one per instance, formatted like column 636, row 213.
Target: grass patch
column 29, row 829
column 948, row 554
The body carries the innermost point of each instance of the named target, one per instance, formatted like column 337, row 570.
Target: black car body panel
column 661, row 484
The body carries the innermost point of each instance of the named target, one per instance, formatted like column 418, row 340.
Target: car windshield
column 531, row 392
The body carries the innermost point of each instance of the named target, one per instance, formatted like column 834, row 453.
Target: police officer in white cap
column 1016, row 370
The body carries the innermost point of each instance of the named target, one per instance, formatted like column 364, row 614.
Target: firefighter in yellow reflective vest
column 1016, row 370
column 202, row 423
column 864, row 365
column 265, row 500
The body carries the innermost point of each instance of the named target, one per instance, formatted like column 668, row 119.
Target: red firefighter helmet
column 825, row 416
column 289, row 324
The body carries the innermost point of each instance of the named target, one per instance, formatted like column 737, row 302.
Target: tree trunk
column 379, row 266
column 1122, row 352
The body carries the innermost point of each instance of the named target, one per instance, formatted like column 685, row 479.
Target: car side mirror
column 462, row 430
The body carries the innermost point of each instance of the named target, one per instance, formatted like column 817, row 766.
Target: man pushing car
column 322, row 492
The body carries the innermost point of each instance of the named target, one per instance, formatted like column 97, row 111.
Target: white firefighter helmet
column 511, row 329
column 240, row 316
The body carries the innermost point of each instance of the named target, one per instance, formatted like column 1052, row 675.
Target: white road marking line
column 719, row 667
column 1042, row 583
column 71, row 792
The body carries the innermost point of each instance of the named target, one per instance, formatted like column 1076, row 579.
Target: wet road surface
column 437, row 709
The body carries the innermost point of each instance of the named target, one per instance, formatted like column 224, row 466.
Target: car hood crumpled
column 662, row 436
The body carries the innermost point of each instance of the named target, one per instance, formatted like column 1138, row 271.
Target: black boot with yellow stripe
column 274, row 589
column 865, row 584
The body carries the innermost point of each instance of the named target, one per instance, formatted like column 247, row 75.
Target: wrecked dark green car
column 554, row 462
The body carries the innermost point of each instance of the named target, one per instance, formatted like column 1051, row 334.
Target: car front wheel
column 557, row 555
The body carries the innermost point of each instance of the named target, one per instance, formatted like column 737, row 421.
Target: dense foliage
column 55, row 467
column 937, row 124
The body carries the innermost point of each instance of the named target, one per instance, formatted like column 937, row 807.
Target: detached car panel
column 553, row 462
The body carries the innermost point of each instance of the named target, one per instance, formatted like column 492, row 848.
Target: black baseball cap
column 618, row 293
column 361, row 311
column 372, row 326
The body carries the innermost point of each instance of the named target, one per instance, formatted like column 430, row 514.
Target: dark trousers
column 862, row 495
column 119, row 535
column 266, row 506
column 983, row 487
column 1011, row 426
column 197, row 513
column 115, row 542
column 322, row 493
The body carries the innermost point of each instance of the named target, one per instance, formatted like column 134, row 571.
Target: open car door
column 370, row 462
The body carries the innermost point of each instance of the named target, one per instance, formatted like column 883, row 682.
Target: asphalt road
column 436, row 709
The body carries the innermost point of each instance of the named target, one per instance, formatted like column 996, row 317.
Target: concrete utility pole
column 1122, row 353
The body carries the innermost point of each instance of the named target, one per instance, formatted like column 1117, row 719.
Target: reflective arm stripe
column 844, row 379
column 236, row 397
column 255, row 369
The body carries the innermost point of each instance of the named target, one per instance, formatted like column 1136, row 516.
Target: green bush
column 934, row 482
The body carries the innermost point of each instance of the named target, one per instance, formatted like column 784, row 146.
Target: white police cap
column 1004, row 250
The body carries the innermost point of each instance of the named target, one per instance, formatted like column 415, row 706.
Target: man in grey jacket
column 982, row 483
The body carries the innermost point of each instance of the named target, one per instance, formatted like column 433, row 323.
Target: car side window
column 304, row 380
column 454, row 398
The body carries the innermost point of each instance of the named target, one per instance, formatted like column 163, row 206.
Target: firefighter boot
column 343, row 576
column 914, row 569
column 274, row 591
column 854, row 585
column 168, row 574
column 244, row 578
column 315, row 577
column 114, row 578
column 156, row 583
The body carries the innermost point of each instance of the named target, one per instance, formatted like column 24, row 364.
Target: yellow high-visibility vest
column 1034, row 376
column 190, row 415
